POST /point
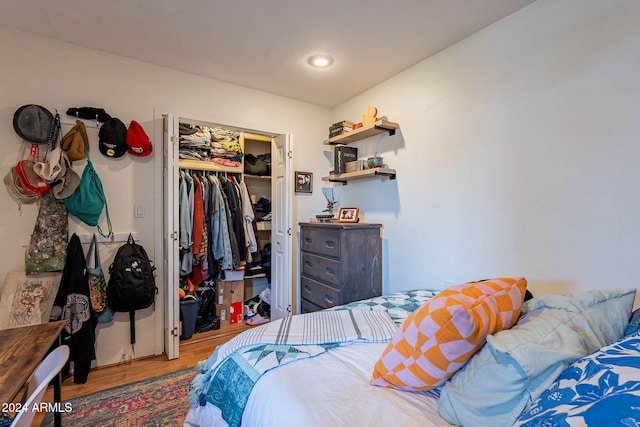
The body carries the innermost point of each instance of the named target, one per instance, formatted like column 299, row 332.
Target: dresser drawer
column 321, row 241
column 319, row 294
column 307, row 307
column 321, row 268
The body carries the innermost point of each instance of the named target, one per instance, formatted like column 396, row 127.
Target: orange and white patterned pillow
column 441, row 336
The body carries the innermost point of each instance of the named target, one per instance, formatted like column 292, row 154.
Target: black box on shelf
column 341, row 155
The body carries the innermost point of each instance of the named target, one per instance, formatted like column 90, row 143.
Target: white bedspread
column 333, row 390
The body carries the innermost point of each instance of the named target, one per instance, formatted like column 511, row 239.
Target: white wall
column 517, row 154
column 59, row 76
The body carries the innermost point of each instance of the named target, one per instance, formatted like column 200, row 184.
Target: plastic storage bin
column 188, row 315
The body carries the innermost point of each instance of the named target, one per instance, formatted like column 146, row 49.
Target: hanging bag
column 88, row 201
column 48, row 245
column 132, row 284
column 98, row 285
column 97, row 282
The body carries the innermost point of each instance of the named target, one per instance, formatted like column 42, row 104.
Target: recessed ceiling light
column 320, row 61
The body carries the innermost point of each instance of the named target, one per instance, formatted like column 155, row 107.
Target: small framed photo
column 304, row 182
column 348, row 215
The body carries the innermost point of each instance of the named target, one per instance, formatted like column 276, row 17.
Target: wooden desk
column 22, row 351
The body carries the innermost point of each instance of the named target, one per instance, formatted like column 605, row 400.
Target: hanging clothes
column 215, row 235
column 187, row 259
column 213, row 266
column 198, row 232
column 184, row 214
column 221, row 240
column 206, row 232
column 198, row 216
column 249, row 216
column 73, row 304
column 230, row 210
column 236, row 230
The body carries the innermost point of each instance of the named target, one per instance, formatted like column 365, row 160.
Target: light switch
column 138, row 210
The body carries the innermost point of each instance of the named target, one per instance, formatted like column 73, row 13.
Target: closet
column 257, row 177
column 270, row 193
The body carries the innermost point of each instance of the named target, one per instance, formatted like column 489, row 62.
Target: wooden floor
column 197, row 348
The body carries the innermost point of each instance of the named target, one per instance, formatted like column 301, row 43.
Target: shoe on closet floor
column 257, row 319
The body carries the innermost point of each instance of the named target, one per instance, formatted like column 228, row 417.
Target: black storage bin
column 188, row 315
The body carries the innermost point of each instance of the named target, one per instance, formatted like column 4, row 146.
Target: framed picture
column 348, row 215
column 304, row 182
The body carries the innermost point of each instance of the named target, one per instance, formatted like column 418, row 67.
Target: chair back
column 42, row 376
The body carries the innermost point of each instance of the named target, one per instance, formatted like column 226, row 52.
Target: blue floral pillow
column 597, row 390
column 634, row 323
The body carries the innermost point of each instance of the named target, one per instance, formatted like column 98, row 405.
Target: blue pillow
column 600, row 389
column 515, row 366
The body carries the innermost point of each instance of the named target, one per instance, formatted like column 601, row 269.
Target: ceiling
column 263, row 44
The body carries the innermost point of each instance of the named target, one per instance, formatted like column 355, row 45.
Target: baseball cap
column 138, row 141
column 112, row 136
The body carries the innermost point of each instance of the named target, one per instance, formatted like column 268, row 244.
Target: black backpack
column 132, row 285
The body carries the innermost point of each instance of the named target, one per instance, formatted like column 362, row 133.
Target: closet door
column 281, row 226
column 170, row 234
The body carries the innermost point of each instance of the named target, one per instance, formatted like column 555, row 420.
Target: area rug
column 155, row 402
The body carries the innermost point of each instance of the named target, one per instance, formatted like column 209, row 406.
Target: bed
column 336, row 367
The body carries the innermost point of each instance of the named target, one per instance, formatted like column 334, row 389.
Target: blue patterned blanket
column 601, row 389
column 226, row 379
column 398, row 305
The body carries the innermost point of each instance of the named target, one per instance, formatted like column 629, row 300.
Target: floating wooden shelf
column 208, row 166
column 380, row 126
column 367, row 173
column 265, row 177
column 263, row 225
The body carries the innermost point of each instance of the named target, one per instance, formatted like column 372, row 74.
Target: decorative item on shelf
column 340, row 127
column 368, row 118
column 355, row 166
column 331, row 205
column 303, row 182
column 374, row 161
column 325, row 218
column 349, row 214
column 341, row 155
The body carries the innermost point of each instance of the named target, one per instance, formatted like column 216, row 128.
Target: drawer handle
column 328, row 299
column 330, row 244
column 307, row 288
column 308, row 240
column 308, row 264
column 330, row 271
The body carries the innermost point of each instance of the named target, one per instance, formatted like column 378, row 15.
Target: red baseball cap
column 138, row 141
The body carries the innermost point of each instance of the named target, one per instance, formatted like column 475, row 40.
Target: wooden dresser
column 339, row 263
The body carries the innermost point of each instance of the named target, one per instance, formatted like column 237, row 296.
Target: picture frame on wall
column 349, row 214
column 303, row 182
